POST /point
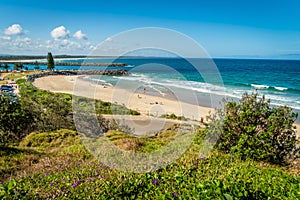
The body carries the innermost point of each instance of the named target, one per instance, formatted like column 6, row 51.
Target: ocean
column 278, row 80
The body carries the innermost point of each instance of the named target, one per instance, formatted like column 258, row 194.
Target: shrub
column 251, row 128
column 15, row 120
column 173, row 116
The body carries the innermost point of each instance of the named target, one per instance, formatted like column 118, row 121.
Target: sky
column 232, row 28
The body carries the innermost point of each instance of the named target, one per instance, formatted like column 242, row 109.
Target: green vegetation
column 18, row 66
column 253, row 129
column 36, row 65
column 131, row 142
column 47, row 140
column 62, row 169
column 40, row 111
column 110, row 108
column 173, row 116
column 15, row 119
column 50, row 60
column 6, row 67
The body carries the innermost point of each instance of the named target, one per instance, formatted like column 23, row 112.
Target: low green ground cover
column 56, row 165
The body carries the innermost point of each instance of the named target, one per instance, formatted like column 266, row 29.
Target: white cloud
column 14, row 29
column 26, row 45
column 67, row 46
column 7, row 38
column 60, row 33
column 80, row 35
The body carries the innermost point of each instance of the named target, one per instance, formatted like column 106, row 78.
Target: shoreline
column 146, row 104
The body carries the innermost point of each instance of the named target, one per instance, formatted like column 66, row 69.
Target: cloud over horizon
column 14, row 29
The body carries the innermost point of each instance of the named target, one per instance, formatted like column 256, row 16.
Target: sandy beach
column 147, row 105
column 143, row 103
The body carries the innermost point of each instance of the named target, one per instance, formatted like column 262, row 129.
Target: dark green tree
column 50, row 64
column 6, row 67
column 16, row 66
column 251, row 128
column 36, row 65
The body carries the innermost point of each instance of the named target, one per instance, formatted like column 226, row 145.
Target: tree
column 16, row 66
column 50, row 64
column 36, row 65
column 6, row 67
column 21, row 66
column 251, row 128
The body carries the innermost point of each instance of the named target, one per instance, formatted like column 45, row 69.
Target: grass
column 16, row 75
column 61, row 168
column 130, row 142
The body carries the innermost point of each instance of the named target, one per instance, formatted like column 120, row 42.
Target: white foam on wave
column 283, row 101
column 156, row 89
column 260, row 87
column 130, row 66
column 281, row 88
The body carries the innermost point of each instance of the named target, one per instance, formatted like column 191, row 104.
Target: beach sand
column 147, row 105
column 143, row 103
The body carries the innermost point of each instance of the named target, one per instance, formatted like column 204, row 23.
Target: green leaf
column 11, row 185
column 228, row 197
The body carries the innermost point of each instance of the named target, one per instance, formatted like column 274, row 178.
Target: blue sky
column 233, row 28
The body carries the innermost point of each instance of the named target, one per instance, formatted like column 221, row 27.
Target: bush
column 173, row 116
column 251, row 128
column 51, row 111
column 15, row 120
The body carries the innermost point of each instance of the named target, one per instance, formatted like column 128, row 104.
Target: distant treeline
column 67, row 63
column 21, row 57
